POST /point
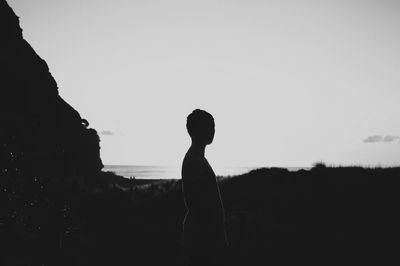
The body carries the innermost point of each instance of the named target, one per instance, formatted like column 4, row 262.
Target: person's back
column 203, row 228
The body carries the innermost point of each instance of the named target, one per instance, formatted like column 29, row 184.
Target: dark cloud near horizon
column 106, row 133
column 372, row 139
column 378, row 138
column 391, row 138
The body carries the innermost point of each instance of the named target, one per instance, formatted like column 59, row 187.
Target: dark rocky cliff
column 40, row 134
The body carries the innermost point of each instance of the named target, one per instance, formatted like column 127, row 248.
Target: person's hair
column 200, row 125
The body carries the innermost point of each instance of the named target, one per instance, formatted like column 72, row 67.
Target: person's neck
column 198, row 148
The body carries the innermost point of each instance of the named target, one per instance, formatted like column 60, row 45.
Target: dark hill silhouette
column 45, row 148
column 274, row 217
column 40, row 133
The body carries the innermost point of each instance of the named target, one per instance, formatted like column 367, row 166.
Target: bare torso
column 205, row 218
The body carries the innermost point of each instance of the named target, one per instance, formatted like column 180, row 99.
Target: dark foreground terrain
column 322, row 216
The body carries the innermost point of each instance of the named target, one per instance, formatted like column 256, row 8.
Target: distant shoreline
column 173, row 172
column 162, row 172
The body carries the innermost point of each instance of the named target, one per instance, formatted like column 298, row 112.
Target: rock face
column 40, row 133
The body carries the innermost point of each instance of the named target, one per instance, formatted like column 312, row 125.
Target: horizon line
column 239, row 166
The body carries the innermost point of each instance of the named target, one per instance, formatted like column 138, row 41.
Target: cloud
column 374, row 138
column 106, row 133
column 391, row 138
column 378, row 138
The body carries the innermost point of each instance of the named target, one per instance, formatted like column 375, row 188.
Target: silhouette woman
column 204, row 237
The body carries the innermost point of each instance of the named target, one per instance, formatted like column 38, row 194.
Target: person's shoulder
column 193, row 165
column 194, row 160
column 194, row 157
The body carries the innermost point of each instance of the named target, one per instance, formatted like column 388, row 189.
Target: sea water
column 173, row 172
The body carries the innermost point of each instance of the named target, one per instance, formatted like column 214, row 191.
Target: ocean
column 173, row 172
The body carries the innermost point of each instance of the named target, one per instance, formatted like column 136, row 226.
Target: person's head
column 200, row 126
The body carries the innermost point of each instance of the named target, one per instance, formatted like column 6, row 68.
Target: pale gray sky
column 288, row 82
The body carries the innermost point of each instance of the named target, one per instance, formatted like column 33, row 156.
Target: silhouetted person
column 204, row 238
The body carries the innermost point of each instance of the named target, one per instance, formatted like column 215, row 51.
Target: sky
column 289, row 83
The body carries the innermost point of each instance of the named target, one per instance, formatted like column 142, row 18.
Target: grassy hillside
column 323, row 215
